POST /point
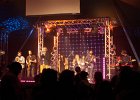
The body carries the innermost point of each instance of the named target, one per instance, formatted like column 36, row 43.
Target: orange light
column 47, row 30
column 111, row 27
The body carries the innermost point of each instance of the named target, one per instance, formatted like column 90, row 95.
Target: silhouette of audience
column 10, row 83
column 77, row 78
column 47, row 89
column 66, row 85
column 125, row 85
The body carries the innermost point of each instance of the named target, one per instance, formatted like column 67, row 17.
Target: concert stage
column 77, row 37
column 74, row 39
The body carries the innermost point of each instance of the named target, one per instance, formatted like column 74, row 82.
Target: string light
column 13, row 24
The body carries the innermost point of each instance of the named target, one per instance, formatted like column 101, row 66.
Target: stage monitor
column 48, row 7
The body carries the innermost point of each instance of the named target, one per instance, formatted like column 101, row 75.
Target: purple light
column 104, row 68
column 81, row 42
column 27, row 81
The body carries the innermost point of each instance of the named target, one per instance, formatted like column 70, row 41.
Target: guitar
column 30, row 61
column 120, row 62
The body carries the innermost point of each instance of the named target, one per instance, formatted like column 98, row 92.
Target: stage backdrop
column 71, row 43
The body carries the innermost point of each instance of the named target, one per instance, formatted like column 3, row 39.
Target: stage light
column 87, row 30
column 47, row 30
column 111, row 26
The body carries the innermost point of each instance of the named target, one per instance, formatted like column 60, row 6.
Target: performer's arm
column 27, row 60
column 34, row 59
column 94, row 59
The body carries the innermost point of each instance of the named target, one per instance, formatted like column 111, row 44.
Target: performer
column 66, row 63
column 76, row 61
column 44, row 59
column 69, row 59
column 113, row 50
column 31, row 64
column 90, row 63
column 62, row 63
column 125, row 59
column 21, row 59
column 82, row 63
column 113, row 56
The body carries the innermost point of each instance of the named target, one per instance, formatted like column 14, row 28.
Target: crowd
column 51, row 85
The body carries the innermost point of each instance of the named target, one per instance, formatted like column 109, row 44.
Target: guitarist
column 21, row 59
column 31, row 64
column 90, row 60
column 44, row 59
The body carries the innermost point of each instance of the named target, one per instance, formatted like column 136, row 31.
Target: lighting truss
column 99, row 24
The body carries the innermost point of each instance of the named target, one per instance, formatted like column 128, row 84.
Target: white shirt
column 21, row 60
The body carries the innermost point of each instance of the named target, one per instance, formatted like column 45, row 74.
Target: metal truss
column 40, row 44
column 104, row 22
column 95, row 21
column 3, row 49
column 55, row 57
column 108, row 49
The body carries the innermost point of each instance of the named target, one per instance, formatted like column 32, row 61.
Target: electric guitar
column 30, row 62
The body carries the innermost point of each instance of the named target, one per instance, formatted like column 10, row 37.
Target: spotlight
column 47, row 30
